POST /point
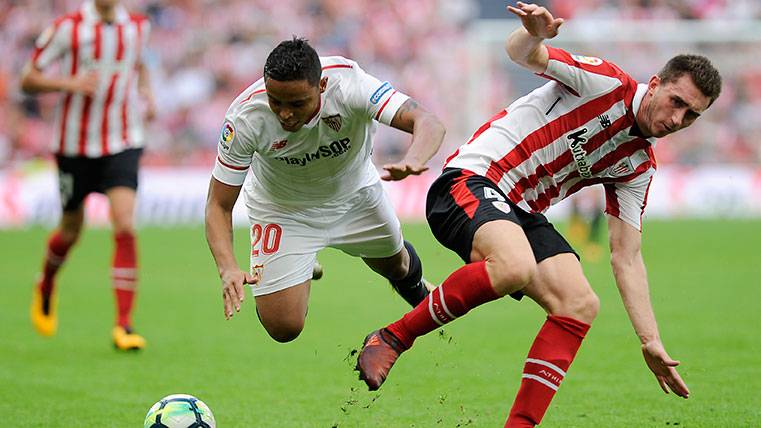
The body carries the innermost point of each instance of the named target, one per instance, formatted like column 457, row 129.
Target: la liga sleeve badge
column 227, row 136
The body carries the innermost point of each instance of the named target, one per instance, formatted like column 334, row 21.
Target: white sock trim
column 541, row 380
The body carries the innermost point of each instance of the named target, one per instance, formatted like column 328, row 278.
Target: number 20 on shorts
column 265, row 239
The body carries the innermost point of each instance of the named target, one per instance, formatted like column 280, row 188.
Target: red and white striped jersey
column 577, row 130
column 108, row 122
column 327, row 160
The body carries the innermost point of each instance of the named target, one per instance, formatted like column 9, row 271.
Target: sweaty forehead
column 686, row 89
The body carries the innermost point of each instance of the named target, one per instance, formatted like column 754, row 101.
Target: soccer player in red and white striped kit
column 97, row 143
column 591, row 124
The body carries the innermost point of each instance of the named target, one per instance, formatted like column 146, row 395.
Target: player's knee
column 70, row 233
column 583, row 306
column 285, row 331
column 510, row 275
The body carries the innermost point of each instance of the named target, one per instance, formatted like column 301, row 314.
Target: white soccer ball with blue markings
column 179, row 411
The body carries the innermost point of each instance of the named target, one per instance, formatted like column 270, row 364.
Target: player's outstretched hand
column 400, row 170
column 537, row 20
column 663, row 367
column 233, row 290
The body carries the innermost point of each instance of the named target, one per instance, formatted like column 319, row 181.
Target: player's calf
column 412, row 287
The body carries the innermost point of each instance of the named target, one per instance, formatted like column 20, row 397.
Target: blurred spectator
column 204, row 53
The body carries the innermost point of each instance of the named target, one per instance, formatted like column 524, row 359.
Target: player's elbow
column 621, row 261
column 28, row 80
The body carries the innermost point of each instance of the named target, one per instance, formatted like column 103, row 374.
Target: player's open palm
column 233, row 289
column 664, row 369
column 537, row 20
column 400, row 170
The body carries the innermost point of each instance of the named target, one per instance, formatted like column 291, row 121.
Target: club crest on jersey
column 378, row 94
column 227, row 135
column 623, row 167
column 590, row 60
column 277, row 145
column 334, row 122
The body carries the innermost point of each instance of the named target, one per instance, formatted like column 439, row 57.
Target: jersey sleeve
column 52, row 44
column 379, row 100
column 583, row 75
column 627, row 200
column 235, row 151
column 145, row 32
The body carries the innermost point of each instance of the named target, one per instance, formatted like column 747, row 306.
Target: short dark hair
column 705, row 76
column 293, row 60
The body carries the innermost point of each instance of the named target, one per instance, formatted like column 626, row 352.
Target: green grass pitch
column 706, row 288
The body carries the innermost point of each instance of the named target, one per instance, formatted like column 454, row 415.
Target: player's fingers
column 252, row 278
column 669, row 362
column 662, row 383
column 516, row 11
column 240, row 290
column 227, row 306
column 679, row 388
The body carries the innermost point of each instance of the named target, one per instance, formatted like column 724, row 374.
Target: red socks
column 550, row 356
column 462, row 291
column 124, row 276
column 56, row 255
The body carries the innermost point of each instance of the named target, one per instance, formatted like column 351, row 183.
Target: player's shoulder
column 69, row 17
column 338, row 64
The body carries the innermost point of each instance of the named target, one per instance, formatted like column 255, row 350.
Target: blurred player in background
column 592, row 124
column 305, row 130
column 585, row 222
column 98, row 142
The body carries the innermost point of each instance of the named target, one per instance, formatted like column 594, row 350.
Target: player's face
column 294, row 102
column 672, row 106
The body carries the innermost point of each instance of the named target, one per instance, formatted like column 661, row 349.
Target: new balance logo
column 604, row 120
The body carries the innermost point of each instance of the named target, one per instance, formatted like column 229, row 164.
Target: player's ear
column 654, row 82
column 323, row 84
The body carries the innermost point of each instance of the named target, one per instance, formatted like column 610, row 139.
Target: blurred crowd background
column 203, row 53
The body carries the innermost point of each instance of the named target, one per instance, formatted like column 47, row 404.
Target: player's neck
column 106, row 13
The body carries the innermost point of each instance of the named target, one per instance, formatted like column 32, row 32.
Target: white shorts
column 285, row 240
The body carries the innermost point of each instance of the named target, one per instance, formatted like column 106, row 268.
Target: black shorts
column 80, row 176
column 459, row 202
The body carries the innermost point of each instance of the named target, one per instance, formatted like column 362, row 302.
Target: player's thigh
column 370, row 229
column 283, row 312
column 122, row 206
column 119, row 181
column 560, row 287
column 468, row 214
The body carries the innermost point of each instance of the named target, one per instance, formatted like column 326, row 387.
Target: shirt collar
column 639, row 94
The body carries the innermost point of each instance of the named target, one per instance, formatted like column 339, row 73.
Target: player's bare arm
column 427, row 134
column 524, row 46
column 35, row 81
column 145, row 91
column 631, row 279
column 219, row 235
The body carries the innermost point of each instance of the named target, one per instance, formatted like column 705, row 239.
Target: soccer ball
column 179, row 411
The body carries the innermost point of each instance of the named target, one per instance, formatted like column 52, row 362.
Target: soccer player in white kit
column 305, row 131
column 592, row 124
column 97, row 143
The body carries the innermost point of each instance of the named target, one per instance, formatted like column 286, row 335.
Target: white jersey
column 575, row 131
column 326, row 160
column 108, row 122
